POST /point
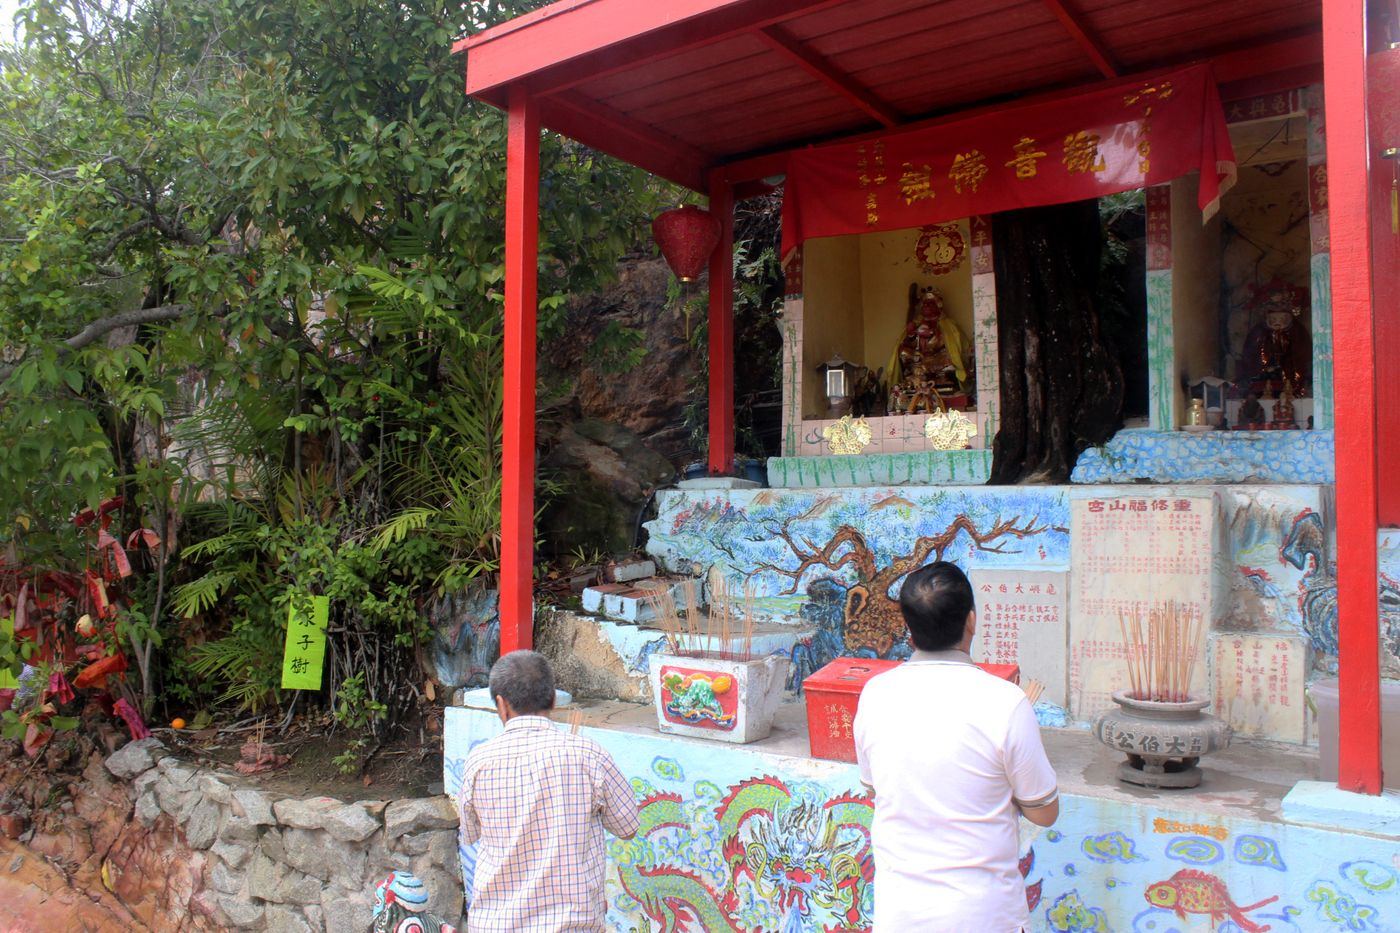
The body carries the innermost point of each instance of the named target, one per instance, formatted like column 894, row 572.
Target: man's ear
column 970, row 628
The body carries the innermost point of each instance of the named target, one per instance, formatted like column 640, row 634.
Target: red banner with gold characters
column 1129, row 134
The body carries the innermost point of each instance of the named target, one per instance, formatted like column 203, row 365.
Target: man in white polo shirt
column 954, row 756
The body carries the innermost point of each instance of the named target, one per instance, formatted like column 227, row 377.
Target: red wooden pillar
column 1383, row 97
column 518, row 454
column 722, row 328
column 1353, row 340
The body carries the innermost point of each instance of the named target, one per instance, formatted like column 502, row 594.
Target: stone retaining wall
column 183, row 848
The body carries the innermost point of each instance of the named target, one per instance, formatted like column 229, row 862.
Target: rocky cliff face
column 648, row 399
column 610, row 434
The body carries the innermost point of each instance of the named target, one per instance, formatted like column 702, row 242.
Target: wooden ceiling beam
column 1092, row 47
column 822, row 69
column 616, row 134
column 1284, row 53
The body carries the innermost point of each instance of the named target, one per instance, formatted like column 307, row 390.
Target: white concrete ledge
column 1318, row 803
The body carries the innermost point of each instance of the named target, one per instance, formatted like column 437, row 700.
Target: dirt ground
column 407, row 764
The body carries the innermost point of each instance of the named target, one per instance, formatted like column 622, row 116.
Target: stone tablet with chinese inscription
column 1258, row 684
column 1022, row 619
column 1129, row 553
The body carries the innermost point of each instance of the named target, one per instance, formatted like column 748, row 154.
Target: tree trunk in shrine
column 1061, row 389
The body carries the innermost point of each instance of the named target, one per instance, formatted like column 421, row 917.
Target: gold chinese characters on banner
column 1127, row 134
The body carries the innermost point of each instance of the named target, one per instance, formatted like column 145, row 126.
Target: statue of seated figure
column 1278, row 349
column 928, row 365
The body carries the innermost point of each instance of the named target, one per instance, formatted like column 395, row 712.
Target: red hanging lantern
column 687, row 236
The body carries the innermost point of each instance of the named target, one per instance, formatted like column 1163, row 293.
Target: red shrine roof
column 679, row 87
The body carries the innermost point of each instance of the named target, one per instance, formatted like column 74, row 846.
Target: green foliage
column 355, row 712
column 251, row 255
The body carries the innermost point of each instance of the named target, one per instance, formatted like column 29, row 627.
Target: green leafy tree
column 250, row 266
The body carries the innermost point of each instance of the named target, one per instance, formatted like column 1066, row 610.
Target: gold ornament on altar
column 848, row 436
column 949, row 430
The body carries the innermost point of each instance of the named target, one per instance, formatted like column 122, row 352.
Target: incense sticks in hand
column 1161, row 651
column 1033, row 689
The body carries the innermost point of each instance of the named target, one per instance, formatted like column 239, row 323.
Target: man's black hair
column 935, row 601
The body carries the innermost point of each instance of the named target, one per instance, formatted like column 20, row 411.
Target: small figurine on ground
column 400, row 906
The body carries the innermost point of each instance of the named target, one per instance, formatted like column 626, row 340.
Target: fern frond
column 400, row 526
column 200, row 594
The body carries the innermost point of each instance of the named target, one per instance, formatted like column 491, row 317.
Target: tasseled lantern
column 687, row 236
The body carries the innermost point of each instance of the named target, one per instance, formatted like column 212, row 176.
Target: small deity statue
column 928, row 366
column 1251, row 412
column 1278, row 348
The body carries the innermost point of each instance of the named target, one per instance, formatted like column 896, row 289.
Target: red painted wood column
column 722, row 329
column 1353, row 340
column 518, row 454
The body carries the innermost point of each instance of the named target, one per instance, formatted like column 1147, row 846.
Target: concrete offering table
column 764, row 838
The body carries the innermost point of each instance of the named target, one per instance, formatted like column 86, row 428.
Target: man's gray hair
column 524, row 678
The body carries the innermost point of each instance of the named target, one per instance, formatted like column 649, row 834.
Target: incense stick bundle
column 726, row 619
column 575, row 720
column 750, row 597
column 1161, row 650
column 1033, row 690
column 667, row 616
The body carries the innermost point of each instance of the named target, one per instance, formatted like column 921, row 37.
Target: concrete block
column 1320, row 803
column 633, row 605
column 593, row 596
column 630, row 571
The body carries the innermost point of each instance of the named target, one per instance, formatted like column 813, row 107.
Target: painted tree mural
column 872, row 620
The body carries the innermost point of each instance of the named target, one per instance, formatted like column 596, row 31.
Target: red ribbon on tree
column 1128, row 134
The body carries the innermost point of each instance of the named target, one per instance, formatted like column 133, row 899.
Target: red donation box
column 833, row 696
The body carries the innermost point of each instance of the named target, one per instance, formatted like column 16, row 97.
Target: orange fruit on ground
column 177, row 723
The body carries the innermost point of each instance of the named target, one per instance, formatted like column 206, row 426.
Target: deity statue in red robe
column 1278, row 348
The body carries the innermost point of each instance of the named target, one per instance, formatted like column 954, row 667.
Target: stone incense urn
column 1164, row 741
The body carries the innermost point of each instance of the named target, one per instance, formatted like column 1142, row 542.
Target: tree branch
column 103, row 326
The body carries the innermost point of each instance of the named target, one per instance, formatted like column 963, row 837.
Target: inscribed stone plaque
column 1258, row 684
column 1129, row 553
column 1022, row 619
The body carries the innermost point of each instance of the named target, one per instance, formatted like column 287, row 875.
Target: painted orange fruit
column 722, row 683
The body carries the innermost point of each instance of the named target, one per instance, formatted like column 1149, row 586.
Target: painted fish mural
column 1195, row 892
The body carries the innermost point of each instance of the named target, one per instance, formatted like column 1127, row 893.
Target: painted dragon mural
column 765, row 857
column 1305, row 548
column 789, row 863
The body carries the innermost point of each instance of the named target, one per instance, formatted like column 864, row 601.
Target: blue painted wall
column 738, row 839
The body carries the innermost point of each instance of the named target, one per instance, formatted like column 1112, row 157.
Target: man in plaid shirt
column 538, row 799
